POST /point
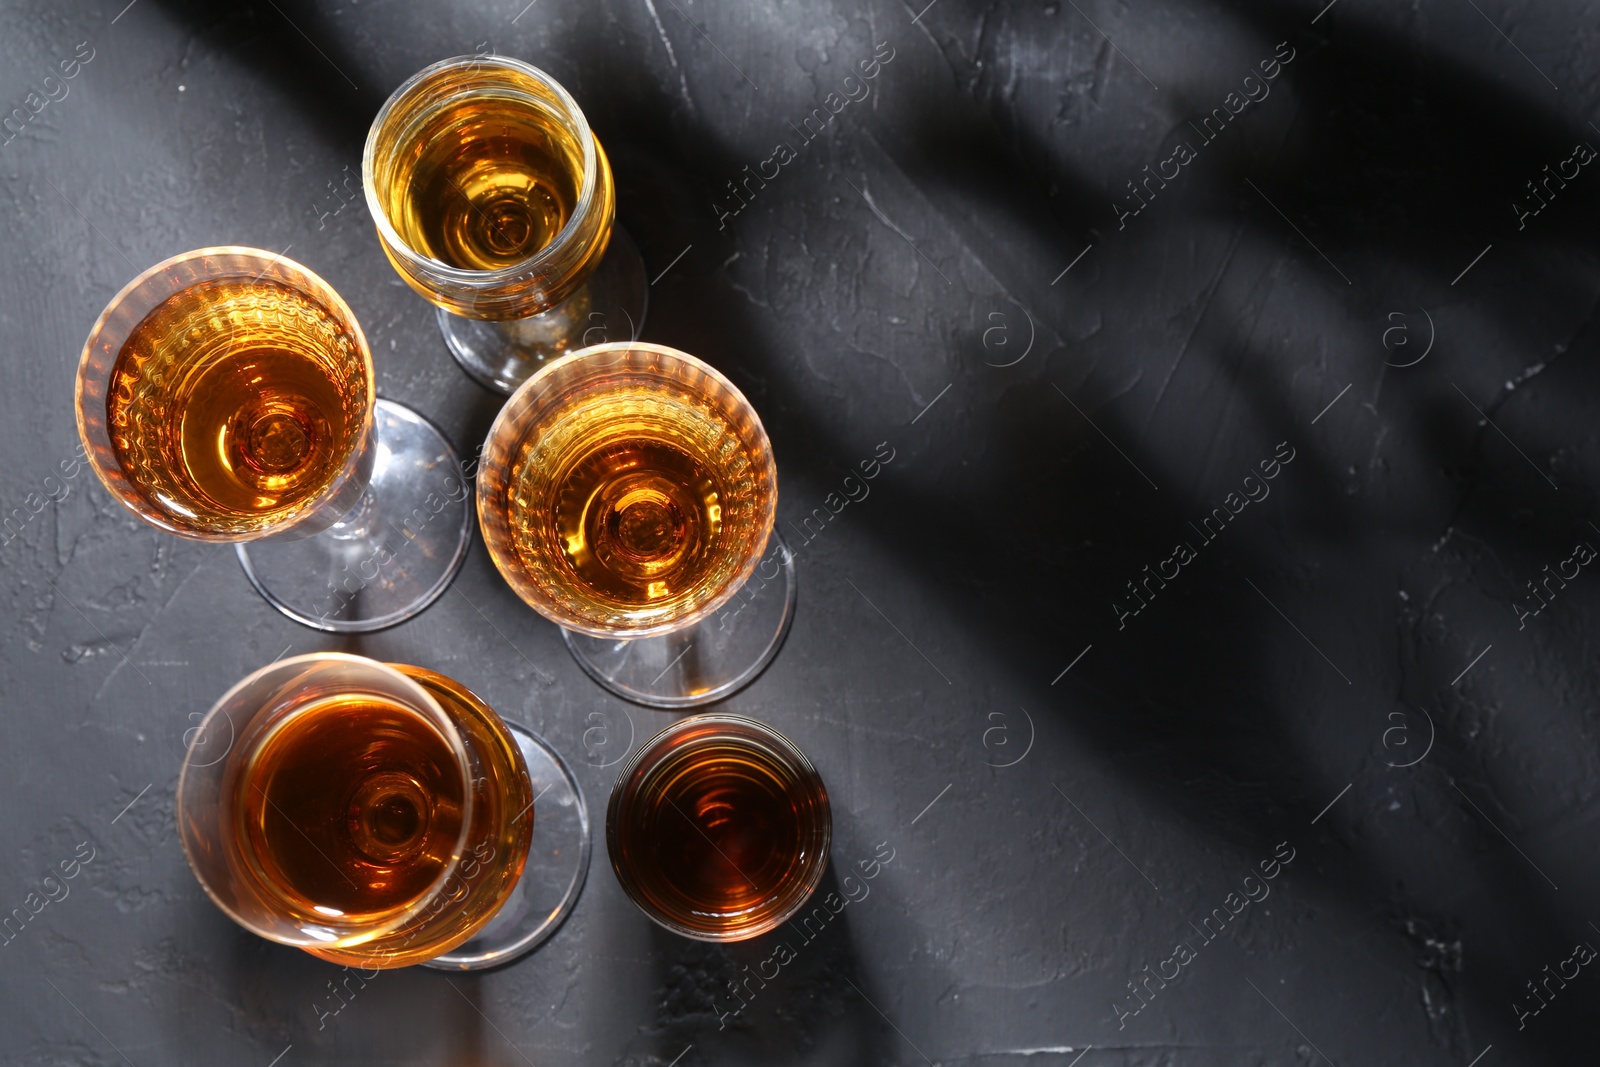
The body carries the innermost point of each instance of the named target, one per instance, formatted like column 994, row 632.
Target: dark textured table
column 1202, row 680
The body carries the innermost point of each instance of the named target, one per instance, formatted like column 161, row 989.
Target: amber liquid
column 715, row 834
column 352, row 807
column 234, row 404
column 635, row 501
column 493, row 180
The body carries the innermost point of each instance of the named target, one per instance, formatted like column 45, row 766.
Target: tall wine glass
column 494, row 201
column 227, row 394
column 380, row 815
column 627, row 493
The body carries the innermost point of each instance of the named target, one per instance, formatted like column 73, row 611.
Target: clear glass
column 709, row 660
column 719, row 828
column 478, row 786
column 534, row 905
column 625, row 441
column 552, row 879
column 390, row 524
column 437, row 151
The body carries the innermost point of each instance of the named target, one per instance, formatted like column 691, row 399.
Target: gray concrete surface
column 1350, row 271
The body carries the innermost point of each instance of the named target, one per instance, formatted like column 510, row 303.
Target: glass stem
column 357, row 523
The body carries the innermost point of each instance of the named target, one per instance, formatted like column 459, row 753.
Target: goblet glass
column 379, row 815
column 719, row 828
column 627, row 493
column 227, row 394
column 494, row 201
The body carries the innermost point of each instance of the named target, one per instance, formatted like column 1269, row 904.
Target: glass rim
column 479, row 278
column 790, row 751
column 453, row 738
column 517, row 407
column 713, row 718
column 116, row 481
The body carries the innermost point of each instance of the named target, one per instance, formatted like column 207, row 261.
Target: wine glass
column 719, row 828
column 627, row 493
column 227, row 394
column 495, row 202
column 380, row 815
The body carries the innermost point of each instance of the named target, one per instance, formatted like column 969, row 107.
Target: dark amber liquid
column 352, row 807
column 494, row 180
column 235, row 402
column 715, row 833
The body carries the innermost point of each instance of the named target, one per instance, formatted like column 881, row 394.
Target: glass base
column 396, row 551
column 609, row 306
column 558, row 864
column 706, row 662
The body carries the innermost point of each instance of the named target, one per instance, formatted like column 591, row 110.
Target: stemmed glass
column 494, row 201
column 227, row 394
column 380, row 815
column 627, row 493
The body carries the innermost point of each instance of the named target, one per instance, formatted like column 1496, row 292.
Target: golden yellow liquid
column 493, row 179
column 635, row 502
column 235, row 403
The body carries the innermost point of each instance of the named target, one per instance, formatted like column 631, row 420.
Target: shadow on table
column 1181, row 706
column 794, row 995
column 297, row 47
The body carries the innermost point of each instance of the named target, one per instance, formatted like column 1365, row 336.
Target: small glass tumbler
column 719, row 828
